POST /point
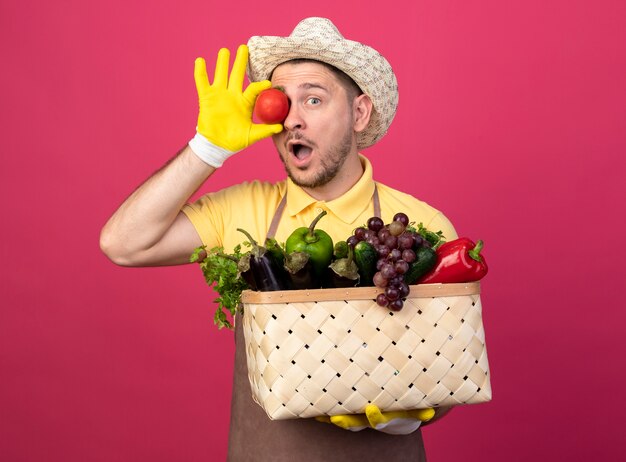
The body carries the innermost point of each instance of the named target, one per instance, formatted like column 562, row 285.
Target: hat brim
column 368, row 68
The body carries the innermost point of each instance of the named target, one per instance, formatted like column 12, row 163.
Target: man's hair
column 352, row 89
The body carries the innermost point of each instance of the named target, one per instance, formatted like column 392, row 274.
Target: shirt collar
column 346, row 207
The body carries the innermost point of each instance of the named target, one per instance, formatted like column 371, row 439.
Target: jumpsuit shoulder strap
column 376, row 201
column 271, row 232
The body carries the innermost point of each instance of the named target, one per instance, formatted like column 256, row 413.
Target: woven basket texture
column 333, row 351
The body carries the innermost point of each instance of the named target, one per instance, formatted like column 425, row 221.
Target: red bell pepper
column 457, row 261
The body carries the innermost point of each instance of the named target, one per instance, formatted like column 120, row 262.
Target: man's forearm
column 149, row 227
column 145, row 217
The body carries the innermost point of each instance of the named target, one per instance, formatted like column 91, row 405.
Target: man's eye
column 314, row 101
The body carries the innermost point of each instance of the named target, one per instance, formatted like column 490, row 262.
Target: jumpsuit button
column 318, row 210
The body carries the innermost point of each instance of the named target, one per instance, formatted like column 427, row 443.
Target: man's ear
column 362, row 110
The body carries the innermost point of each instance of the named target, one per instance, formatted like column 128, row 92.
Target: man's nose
column 294, row 120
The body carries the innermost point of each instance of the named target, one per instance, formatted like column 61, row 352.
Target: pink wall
column 512, row 120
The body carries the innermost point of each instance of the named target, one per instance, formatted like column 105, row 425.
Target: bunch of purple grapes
column 395, row 245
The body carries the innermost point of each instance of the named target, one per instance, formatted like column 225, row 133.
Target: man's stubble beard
column 330, row 164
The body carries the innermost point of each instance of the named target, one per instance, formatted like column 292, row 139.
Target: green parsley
column 221, row 273
column 435, row 239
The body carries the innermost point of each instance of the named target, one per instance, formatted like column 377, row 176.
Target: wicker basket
column 333, row 351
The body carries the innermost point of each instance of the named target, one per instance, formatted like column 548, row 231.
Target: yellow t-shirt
column 251, row 206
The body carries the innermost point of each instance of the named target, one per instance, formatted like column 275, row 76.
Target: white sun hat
column 319, row 39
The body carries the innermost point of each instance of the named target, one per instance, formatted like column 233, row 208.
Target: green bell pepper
column 315, row 242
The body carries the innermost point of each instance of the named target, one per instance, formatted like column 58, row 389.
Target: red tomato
column 272, row 106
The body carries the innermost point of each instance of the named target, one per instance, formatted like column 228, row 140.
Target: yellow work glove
column 394, row 423
column 225, row 116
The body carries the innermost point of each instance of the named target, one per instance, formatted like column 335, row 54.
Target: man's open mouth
column 299, row 149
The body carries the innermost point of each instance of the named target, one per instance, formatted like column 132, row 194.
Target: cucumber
column 365, row 256
column 425, row 261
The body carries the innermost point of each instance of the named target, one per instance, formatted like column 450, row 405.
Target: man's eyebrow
column 309, row 85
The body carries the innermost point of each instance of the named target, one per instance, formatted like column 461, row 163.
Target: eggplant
column 259, row 266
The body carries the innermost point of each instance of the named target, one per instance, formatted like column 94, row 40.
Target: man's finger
column 200, row 76
column 355, row 423
column 260, row 131
column 255, row 88
column 239, row 68
column 221, row 68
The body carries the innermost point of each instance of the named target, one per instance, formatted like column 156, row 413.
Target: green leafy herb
column 221, row 273
column 435, row 239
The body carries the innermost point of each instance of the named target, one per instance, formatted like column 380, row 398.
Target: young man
column 343, row 98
